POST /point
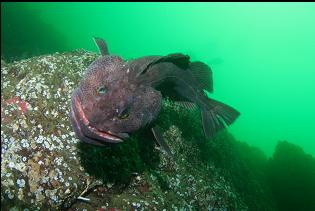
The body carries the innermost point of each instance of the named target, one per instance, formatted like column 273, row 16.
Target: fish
column 117, row 97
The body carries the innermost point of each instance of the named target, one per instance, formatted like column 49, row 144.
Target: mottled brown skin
column 117, row 97
column 124, row 107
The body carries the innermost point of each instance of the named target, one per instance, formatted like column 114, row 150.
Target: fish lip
column 84, row 129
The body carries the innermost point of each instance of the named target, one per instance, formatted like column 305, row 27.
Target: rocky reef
column 291, row 176
column 44, row 165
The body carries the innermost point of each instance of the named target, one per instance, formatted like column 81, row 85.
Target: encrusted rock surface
column 39, row 162
column 42, row 163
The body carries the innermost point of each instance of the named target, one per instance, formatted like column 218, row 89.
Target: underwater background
column 262, row 57
column 262, row 54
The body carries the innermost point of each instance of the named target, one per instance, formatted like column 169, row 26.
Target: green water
column 262, row 54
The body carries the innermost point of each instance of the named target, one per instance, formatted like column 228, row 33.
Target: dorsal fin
column 102, row 46
column 203, row 74
column 141, row 65
column 179, row 59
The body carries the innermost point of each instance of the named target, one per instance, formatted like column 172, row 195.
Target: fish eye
column 124, row 114
column 101, row 90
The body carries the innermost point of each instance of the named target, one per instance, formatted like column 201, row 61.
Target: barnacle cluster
column 39, row 163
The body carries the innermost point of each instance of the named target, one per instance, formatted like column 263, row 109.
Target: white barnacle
column 20, row 183
column 38, row 87
column 11, row 165
column 5, row 84
column 39, row 140
column 24, row 124
column 33, row 95
column 47, row 145
column 15, row 127
column 11, row 196
column 67, row 191
column 54, row 198
column 24, row 143
column 54, row 113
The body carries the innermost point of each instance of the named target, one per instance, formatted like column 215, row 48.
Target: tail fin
column 217, row 117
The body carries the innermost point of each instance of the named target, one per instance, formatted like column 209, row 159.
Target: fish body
column 117, row 97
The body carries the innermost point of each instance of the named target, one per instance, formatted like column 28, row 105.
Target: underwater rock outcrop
column 291, row 174
column 39, row 159
column 44, row 166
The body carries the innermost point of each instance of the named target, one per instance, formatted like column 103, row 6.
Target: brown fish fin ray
column 187, row 105
column 160, row 140
column 169, row 89
column 179, row 59
column 142, row 65
column 203, row 75
column 102, row 46
column 226, row 112
column 211, row 123
column 217, row 117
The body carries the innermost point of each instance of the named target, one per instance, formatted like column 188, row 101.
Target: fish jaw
column 85, row 131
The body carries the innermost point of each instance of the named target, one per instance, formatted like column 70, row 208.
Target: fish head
column 109, row 104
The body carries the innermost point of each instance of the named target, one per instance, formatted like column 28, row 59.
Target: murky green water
column 262, row 54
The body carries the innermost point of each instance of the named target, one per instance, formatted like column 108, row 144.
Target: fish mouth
column 86, row 132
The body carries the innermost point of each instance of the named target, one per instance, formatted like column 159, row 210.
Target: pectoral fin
column 142, row 65
column 188, row 105
column 160, row 140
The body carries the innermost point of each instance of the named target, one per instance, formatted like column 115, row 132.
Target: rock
column 44, row 166
column 40, row 167
column 290, row 168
